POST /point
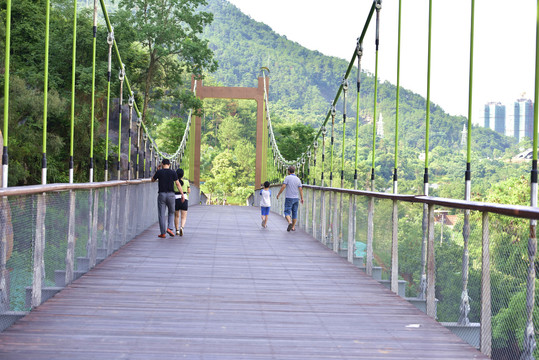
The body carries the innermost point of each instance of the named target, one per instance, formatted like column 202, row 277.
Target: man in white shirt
column 294, row 192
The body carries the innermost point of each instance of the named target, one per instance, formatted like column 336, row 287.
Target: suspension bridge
column 83, row 274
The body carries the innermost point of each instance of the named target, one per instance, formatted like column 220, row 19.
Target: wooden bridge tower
column 215, row 92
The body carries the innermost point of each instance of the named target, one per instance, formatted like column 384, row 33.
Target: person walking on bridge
column 294, row 192
column 181, row 206
column 166, row 198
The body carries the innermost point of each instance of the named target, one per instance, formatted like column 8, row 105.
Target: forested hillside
column 303, row 83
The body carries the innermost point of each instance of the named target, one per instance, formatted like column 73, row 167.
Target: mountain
column 303, row 83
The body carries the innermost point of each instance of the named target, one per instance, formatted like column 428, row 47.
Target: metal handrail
column 38, row 189
column 520, row 211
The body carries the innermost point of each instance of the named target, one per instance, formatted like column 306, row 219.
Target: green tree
column 293, row 139
column 169, row 134
column 169, row 31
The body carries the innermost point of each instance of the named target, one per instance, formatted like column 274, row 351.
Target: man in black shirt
column 166, row 198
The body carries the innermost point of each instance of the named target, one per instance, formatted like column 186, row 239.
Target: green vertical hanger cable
column 73, row 76
column 110, row 41
column 45, row 94
column 345, row 91
column 397, row 98
column 121, row 77
column 6, row 95
column 333, row 113
column 359, row 53
column 377, row 43
column 426, row 179
column 94, row 30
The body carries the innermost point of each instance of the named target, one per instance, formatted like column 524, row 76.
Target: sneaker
column 162, row 236
column 289, row 227
column 178, row 232
column 170, row 232
column 181, row 231
column 262, row 223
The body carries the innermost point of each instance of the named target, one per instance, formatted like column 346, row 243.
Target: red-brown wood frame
column 220, row 92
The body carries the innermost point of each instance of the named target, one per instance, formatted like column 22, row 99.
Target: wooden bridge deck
column 230, row 290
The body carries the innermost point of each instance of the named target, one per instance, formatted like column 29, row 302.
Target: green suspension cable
column 6, row 96
column 351, row 64
column 94, row 30
column 395, row 177
column 73, row 76
column 45, row 94
column 426, row 179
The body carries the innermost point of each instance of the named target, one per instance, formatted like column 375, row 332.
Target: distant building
column 380, row 126
column 464, row 138
column 522, row 125
column 495, row 117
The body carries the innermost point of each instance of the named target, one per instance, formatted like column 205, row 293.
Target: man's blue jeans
column 291, row 207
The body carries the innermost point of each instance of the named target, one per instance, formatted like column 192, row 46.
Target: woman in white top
column 181, row 207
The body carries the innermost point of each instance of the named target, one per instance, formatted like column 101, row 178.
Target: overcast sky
column 504, row 44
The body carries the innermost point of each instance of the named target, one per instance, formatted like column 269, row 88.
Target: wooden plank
column 228, row 289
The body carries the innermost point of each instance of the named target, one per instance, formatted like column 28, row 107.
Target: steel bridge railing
column 52, row 234
column 391, row 253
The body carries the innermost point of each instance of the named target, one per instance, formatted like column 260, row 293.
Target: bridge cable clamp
column 345, row 84
column 110, row 37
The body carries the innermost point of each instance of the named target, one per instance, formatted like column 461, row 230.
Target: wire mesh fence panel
column 50, row 239
column 410, row 235
column 344, row 200
column 55, row 235
column 360, row 252
column 84, row 201
column 383, row 210
column 458, row 273
column 18, row 221
column 508, row 274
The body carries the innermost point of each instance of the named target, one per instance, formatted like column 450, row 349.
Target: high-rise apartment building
column 522, row 126
column 495, row 117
